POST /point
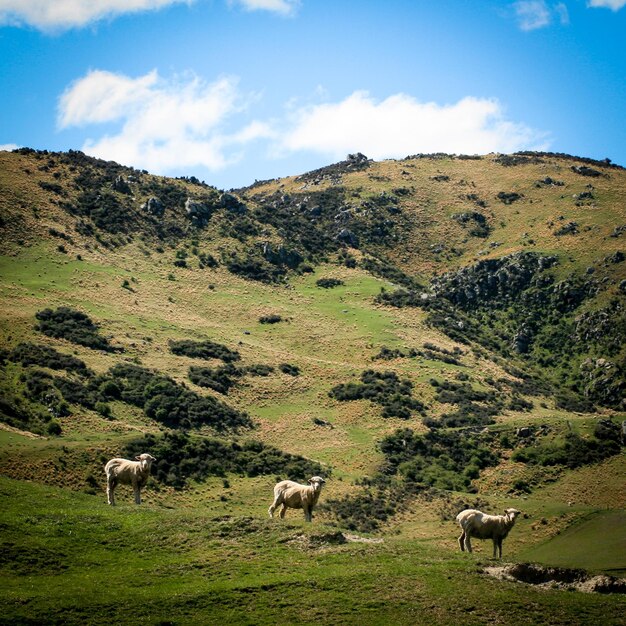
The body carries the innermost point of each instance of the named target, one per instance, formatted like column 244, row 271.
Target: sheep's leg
column 462, row 541
column 497, row 544
column 307, row 513
column 273, row 507
column 111, row 490
column 283, row 510
column 468, row 543
column 137, row 490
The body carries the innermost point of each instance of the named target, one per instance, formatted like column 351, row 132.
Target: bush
column 54, row 428
column 74, row 326
column 572, row 452
column 220, row 379
column 384, row 388
column 270, row 319
column 328, row 283
column 204, row 350
column 45, row 356
column 292, row 370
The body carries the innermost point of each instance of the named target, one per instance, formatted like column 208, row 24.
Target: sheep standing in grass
column 293, row 495
column 476, row 524
column 135, row 473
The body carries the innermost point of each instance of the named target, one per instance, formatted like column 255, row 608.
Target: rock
column 231, row 203
column 121, row 185
column 583, row 170
column 198, row 212
column 348, row 237
column 153, row 206
column 571, row 228
column 281, row 255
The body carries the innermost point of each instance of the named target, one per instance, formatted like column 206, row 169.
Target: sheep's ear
column 137, row 458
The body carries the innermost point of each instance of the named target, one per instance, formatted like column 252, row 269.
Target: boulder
column 153, row 206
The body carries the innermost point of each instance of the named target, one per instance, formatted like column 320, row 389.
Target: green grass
column 68, row 558
column 597, row 542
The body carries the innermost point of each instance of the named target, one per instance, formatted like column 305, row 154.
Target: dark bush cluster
column 288, row 368
column 45, row 356
column 270, row 319
column 182, row 458
column 220, row 379
column 74, row 326
column 170, row 403
column 384, row 388
column 413, row 464
column 476, row 408
column 377, row 502
column 508, row 197
column 574, row 451
column 254, row 267
column 390, row 272
column 443, row 459
column 328, row 283
column 204, row 350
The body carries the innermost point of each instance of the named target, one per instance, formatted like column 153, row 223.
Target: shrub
column 292, row 370
column 54, row 427
column 204, row 350
column 572, row 452
column 384, row 388
column 259, row 370
column 270, row 319
column 220, row 379
column 45, row 356
column 171, row 404
column 74, row 326
column 329, row 283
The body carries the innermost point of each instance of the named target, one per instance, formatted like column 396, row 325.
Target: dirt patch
column 558, row 578
column 327, row 540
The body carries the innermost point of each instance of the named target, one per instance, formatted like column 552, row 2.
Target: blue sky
column 236, row 90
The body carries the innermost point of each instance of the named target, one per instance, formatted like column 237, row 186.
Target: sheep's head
column 316, row 482
column 512, row 513
column 145, row 459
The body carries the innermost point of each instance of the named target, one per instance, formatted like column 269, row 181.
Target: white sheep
column 292, row 495
column 476, row 524
column 127, row 472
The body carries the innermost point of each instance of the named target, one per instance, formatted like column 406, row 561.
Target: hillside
column 389, row 325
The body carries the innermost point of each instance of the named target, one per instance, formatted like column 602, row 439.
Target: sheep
column 476, row 524
column 292, row 495
column 127, row 472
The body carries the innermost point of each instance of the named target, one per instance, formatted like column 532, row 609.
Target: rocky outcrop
column 492, row 281
column 153, row 206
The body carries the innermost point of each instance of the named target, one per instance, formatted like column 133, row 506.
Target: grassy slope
column 191, row 566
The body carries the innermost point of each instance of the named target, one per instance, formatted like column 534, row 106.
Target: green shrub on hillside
column 384, row 388
column 574, row 451
column 204, row 350
column 37, row 354
column 74, row 326
column 329, row 283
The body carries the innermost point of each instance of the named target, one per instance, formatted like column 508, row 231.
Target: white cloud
column 532, row 14
column 63, row 14
column 401, row 125
column 614, row 5
column 284, row 7
column 164, row 125
column 561, row 10
column 8, row 147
